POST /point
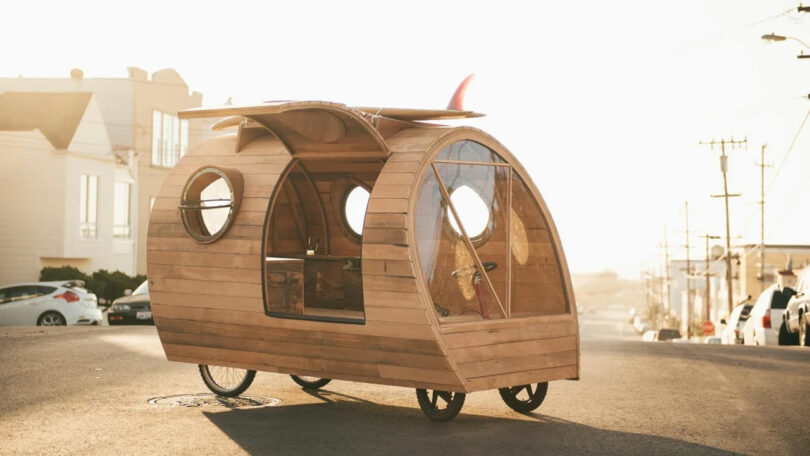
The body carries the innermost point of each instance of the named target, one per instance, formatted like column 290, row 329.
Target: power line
column 789, row 150
column 753, row 215
column 711, row 38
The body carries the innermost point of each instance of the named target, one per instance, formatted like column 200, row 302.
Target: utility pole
column 688, row 281
column 762, row 165
column 664, row 278
column 668, row 302
column 724, row 168
column 708, row 274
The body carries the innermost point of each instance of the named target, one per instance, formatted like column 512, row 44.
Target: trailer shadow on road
column 347, row 425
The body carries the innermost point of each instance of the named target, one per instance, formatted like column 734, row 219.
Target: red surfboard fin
column 457, row 102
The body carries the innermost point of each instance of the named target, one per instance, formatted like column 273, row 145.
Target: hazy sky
column 603, row 102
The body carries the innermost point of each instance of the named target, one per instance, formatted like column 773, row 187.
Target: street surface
column 86, row 390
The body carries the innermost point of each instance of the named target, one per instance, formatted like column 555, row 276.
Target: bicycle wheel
column 226, row 381
column 311, row 382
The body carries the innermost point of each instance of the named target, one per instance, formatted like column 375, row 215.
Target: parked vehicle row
column 778, row 317
column 67, row 302
column 57, row 303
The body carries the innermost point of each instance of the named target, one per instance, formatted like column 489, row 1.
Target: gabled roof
column 56, row 115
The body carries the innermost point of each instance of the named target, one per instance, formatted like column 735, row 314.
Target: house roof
column 56, row 115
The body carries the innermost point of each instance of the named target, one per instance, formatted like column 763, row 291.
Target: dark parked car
column 132, row 309
column 668, row 334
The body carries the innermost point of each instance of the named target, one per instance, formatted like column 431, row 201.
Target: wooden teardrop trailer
column 263, row 256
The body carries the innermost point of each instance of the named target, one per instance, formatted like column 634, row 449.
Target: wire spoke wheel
column 310, row 382
column 440, row 405
column 226, row 381
column 524, row 398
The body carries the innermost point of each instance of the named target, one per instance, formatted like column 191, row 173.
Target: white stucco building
column 67, row 194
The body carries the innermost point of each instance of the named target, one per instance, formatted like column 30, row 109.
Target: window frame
column 88, row 230
column 127, row 231
column 170, row 136
column 193, row 221
column 343, row 186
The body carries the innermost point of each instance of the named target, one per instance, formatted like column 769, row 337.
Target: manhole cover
column 211, row 400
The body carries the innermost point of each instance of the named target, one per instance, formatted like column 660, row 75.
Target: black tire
column 311, row 384
column 804, row 330
column 238, row 379
column 429, row 403
column 534, row 396
column 51, row 318
column 786, row 338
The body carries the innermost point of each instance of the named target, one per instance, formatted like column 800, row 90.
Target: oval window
column 472, row 211
column 210, row 202
column 354, row 210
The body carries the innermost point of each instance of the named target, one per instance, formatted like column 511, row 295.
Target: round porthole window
column 354, row 209
column 472, row 211
column 210, row 203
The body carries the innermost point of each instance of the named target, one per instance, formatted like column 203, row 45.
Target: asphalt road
column 86, row 390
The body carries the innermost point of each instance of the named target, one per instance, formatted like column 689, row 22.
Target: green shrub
column 62, row 273
column 111, row 285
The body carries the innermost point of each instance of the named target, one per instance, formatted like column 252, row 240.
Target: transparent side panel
column 458, row 290
column 469, row 151
column 537, row 285
column 480, row 196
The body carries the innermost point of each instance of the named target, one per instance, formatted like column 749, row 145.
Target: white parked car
column 733, row 332
column 58, row 303
column 796, row 320
column 641, row 324
column 765, row 319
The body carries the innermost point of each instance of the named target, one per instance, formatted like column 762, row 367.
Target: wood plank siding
column 207, row 299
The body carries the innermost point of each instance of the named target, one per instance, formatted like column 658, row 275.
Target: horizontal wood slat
column 517, row 364
column 205, row 287
column 387, row 267
column 206, row 273
column 522, row 378
column 314, row 339
column 202, row 355
column 160, row 299
column 506, row 335
column 513, row 349
column 204, row 259
column 323, row 352
column 187, row 244
column 405, row 331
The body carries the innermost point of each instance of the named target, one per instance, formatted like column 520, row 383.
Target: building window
column 121, row 223
column 88, row 207
column 169, row 138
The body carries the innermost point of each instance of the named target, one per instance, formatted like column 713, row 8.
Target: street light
column 774, row 37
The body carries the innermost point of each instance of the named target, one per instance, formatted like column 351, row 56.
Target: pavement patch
column 209, row 400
